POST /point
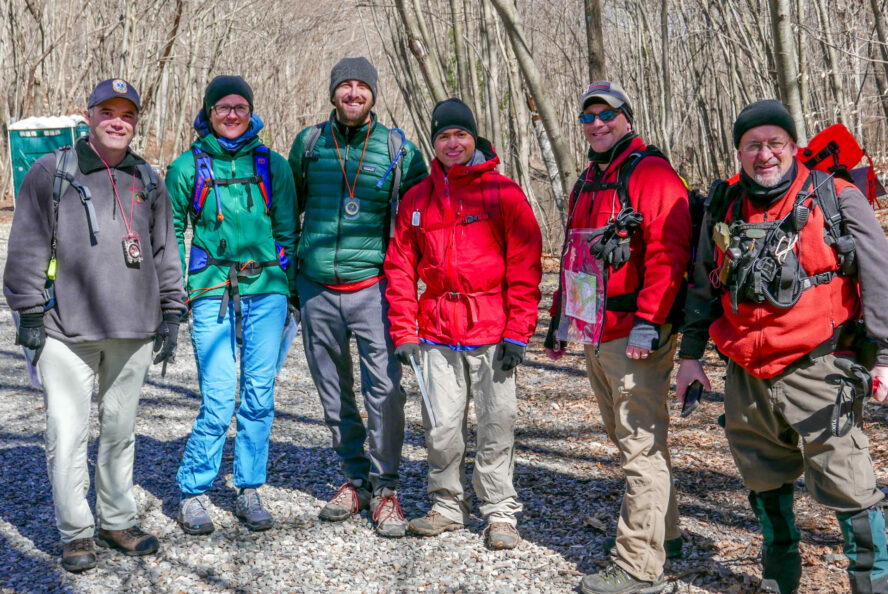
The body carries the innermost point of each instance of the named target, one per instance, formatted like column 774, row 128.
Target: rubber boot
column 865, row 546
column 781, row 562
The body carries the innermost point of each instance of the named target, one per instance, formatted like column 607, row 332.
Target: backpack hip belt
column 238, row 270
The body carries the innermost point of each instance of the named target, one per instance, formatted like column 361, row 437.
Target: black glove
column 405, row 351
column 31, row 334
column 293, row 309
column 510, row 354
column 645, row 335
column 552, row 341
column 166, row 338
column 614, row 246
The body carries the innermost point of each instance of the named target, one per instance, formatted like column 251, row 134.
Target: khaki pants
column 68, row 372
column 451, row 376
column 765, row 418
column 632, row 395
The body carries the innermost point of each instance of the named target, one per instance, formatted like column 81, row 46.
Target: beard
column 353, row 118
column 771, row 179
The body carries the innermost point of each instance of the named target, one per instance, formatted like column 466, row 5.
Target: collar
column 762, row 196
column 88, row 160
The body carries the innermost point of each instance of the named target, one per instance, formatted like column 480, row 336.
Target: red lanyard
column 128, row 225
column 354, row 187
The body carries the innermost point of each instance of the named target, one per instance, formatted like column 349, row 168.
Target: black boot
column 781, row 562
column 865, row 547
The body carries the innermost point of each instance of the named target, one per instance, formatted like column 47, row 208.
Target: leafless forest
column 689, row 66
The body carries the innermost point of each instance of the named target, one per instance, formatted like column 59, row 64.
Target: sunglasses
column 605, row 116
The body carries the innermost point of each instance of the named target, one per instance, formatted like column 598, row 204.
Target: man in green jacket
column 338, row 166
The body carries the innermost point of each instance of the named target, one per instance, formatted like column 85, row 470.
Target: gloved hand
column 510, row 354
column 403, row 352
column 293, row 309
column 166, row 338
column 614, row 246
column 31, row 334
column 644, row 335
column 554, row 347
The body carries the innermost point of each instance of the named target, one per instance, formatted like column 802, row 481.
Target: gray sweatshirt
column 98, row 295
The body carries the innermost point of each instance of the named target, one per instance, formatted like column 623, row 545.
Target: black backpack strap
column 308, row 153
column 628, row 167
column 66, row 168
column 149, row 180
column 826, row 197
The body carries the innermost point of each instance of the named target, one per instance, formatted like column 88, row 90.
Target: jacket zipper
column 450, row 258
column 342, row 192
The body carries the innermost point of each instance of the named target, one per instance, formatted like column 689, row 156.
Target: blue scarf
column 202, row 126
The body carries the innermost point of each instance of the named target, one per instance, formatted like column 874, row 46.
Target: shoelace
column 252, row 502
column 388, row 509
column 347, row 493
column 81, row 544
column 195, row 506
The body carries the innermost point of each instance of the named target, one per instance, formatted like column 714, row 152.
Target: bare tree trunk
column 881, row 70
column 832, row 60
column 419, row 48
column 787, row 66
column 594, row 40
column 666, row 94
column 457, row 8
column 547, row 113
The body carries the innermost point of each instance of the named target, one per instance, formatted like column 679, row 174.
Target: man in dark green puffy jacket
column 337, row 167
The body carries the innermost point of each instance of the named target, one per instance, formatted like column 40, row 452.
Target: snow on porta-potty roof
column 40, row 122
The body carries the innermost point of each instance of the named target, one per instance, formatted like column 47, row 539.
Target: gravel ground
column 567, row 476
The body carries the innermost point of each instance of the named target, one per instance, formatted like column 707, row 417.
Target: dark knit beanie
column 763, row 113
column 222, row 86
column 353, row 69
column 453, row 113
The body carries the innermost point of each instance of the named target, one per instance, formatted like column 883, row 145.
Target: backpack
column 204, row 180
column 397, row 151
column 836, row 151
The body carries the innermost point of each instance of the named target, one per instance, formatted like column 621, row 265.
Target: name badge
column 415, row 219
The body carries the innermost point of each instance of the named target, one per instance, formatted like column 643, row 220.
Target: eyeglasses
column 240, row 111
column 605, row 116
column 775, row 146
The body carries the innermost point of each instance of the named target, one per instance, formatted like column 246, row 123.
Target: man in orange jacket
column 788, row 378
column 470, row 235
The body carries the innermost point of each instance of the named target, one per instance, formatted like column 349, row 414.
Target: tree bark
column 419, row 48
column 787, row 66
column 595, row 40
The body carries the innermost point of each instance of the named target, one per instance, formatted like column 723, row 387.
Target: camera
column 132, row 250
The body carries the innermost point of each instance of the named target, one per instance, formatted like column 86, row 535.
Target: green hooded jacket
column 247, row 231
column 344, row 240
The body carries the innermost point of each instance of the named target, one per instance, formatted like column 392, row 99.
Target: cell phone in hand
column 692, row 398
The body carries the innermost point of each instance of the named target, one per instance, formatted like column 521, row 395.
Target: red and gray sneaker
column 387, row 514
column 348, row 501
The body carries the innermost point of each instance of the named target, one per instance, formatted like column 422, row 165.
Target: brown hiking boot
column 132, row 541
column 348, row 501
column 79, row 555
column 432, row 524
column 501, row 536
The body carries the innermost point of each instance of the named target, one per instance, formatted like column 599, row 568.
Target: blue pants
column 215, row 349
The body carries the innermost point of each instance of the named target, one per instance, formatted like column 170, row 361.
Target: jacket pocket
column 198, row 260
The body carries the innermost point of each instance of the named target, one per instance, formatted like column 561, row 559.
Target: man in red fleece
column 642, row 256
column 470, row 235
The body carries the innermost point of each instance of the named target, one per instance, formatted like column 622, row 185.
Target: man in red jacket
column 470, row 235
column 642, row 250
column 789, row 375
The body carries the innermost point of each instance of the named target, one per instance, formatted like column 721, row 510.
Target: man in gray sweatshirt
column 98, row 233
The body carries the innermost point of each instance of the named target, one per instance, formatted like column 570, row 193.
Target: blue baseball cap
column 111, row 88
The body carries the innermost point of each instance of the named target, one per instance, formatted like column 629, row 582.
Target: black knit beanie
column 222, row 86
column 763, row 113
column 453, row 113
column 353, row 69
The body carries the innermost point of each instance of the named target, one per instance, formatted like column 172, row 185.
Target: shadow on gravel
column 28, row 506
column 20, row 566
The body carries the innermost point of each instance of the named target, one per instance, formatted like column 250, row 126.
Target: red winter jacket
column 660, row 248
column 472, row 238
column 764, row 339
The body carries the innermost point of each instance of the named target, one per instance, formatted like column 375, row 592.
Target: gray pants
column 329, row 320
column 68, row 372
column 453, row 376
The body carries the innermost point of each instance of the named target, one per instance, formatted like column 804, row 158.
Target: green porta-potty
column 31, row 138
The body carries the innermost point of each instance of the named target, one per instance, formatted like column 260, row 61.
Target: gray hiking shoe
column 193, row 515
column 673, row 547
column 388, row 516
column 250, row 511
column 432, row 524
column 348, row 501
column 613, row 579
column 501, row 536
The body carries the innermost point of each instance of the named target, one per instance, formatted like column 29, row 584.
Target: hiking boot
column 79, row 555
column 132, row 541
column 193, row 515
column 432, row 524
column 673, row 547
column 501, row 536
column 388, row 516
column 250, row 511
column 613, row 579
column 348, row 501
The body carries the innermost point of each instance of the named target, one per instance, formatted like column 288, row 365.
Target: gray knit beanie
column 353, row 69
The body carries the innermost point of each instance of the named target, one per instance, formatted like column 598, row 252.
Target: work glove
column 31, row 334
column 510, row 354
column 645, row 335
column 613, row 248
column 293, row 309
column 554, row 347
column 166, row 338
column 405, row 351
